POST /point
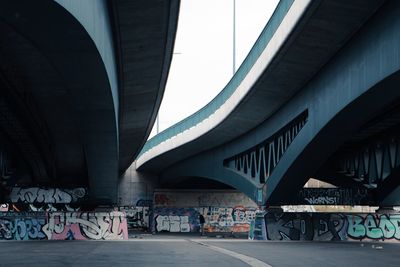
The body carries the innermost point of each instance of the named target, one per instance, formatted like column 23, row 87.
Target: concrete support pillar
column 135, row 186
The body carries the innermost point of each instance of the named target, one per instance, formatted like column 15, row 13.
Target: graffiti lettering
column 173, row 223
column 333, row 196
column 321, row 200
column 137, row 217
column 218, row 219
column 22, row 229
column 51, row 195
column 100, row 225
column 63, row 225
column 330, row 226
column 374, row 226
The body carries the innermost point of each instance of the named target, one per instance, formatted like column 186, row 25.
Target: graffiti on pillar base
column 332, row 226
column 305, row 226
column 82, row 225
column 53, row 207
column 46, row 195
column 22, row 229
column 63, row 226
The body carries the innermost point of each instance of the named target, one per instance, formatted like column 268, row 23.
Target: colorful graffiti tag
column 46, row 195
column 218, row 219
column 334, row 196
column 173, row 223
column 63, row 226
column 176, row 220
column 374, row 226
column 138, row 217
column 236, row 219
column 22, row 228
column 224, row 211
column 331, row 226
column 47, row 199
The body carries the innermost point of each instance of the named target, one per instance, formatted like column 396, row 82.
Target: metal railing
column 206, row 111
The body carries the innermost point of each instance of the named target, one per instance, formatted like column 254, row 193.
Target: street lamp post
column 234, row 37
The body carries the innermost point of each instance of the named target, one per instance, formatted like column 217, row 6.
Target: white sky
column 202, row 63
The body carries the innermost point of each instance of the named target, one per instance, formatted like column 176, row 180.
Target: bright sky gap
column 203, row 54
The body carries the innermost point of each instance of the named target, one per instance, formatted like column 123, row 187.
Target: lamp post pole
column 158, row 122
column 234, row 37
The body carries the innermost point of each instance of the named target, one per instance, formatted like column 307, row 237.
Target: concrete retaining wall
column 223, row 210
column 63, row 226
column 326, row 226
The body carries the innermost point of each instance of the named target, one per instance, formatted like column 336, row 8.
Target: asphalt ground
column 192, row 251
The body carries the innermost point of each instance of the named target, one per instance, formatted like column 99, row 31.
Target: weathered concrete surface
column 186, row 252
column 158, row 253
column 318, row 253
column 144, row 33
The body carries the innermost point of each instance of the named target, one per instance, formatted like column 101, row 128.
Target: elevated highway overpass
column 315, row 97
column 81, row 84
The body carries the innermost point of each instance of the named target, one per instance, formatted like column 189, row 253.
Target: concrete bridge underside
column 351, row 90
column 80, row 85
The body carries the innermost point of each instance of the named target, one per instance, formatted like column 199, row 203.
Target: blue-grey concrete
column 330, row 83
column 144, row 34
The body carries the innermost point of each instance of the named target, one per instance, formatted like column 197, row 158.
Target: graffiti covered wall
column 331, row 226
column 63, row 225
column 224, row 211
column 176, row 220
column 334, row 196
column 46, row 195
column 138, row 217
column 47, row 199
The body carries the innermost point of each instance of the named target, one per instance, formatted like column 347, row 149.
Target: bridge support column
column 135, row 187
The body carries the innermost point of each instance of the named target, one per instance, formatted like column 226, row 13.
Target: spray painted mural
column 48, row 199
column 236, row 219
column 331, row 226
column 176, row 220
column 223, row 210
column 46, row 195
column 138, row 217
column 217, row 219
column 63, row 226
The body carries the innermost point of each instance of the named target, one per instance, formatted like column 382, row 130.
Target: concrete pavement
column 175, row 250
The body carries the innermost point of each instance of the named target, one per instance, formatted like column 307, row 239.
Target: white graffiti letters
column 41, row 195
column 321, row 200
column 100, row 225
column 173, row 223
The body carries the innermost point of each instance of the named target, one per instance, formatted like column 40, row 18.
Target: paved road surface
column 196, row 252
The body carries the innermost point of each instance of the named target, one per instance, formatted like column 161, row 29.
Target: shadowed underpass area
column 295, row 162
